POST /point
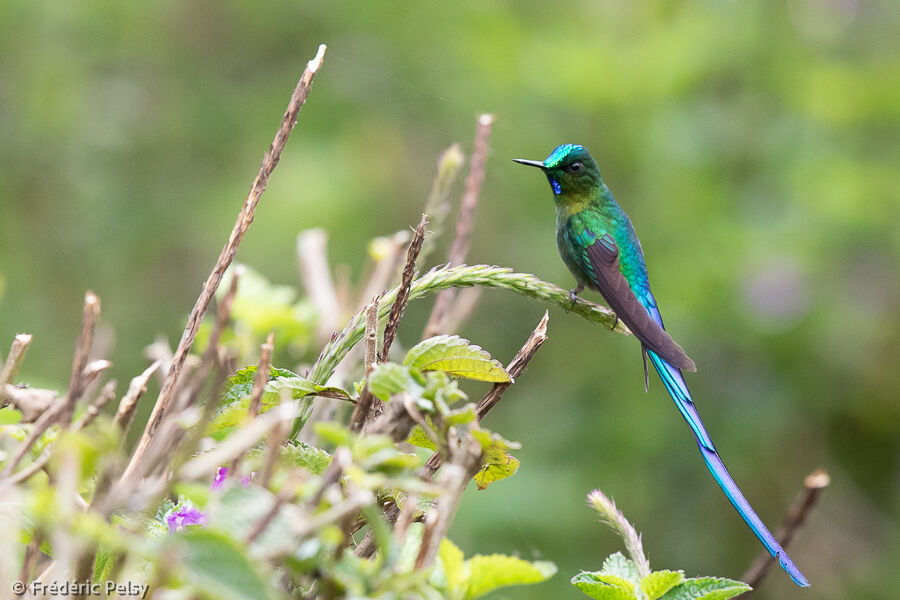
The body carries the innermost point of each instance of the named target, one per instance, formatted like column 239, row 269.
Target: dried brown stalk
column 312, row 256
column 262, row 374
column 245, row 218
column 813, row 484
column 14, row 359
column 107, row 393
column 465, row 222
column 366, row 399
column 128, row 403
column 286, row 493
column 409, row 271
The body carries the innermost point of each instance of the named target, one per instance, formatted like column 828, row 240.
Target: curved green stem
column 460, row 276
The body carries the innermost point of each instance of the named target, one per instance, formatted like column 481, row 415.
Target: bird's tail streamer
column 677, row 388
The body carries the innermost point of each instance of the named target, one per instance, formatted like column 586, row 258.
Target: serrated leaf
column 461, row 416
column 301, row 454
column 604, row 586
column 498, row 464
column 617, row 564
column 388, row 379
column 658, row 583
column 220, row 568
column 487, row 573
column 706, row 588
column 455, row 356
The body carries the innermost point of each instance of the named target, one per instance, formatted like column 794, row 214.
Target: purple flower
column 184, row 516
column 219, row 481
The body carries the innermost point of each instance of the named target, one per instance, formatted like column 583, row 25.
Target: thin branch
column 128, row 403
column 284, row 494
column 385, row 268
column 262, row 374
column 437, row 207
column 409, row 271
column 461, row 276
column 813, row 484
column 245, row 218
column 107, row 393
column 276, row 440
column 465, row 222
column 211, row 354
column 14, row 359
column 366, row 399
column 78, row 380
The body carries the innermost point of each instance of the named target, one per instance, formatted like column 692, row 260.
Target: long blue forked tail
column 677, row 388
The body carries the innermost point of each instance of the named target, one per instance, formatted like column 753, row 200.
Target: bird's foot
column 573, row 295
column 616, row 322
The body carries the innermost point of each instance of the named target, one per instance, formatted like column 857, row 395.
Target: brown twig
column 14, row 359
column 366, row 399
column 78, row 380
column 465, row 222
column 409, row 271
column 245, row 218
column 211, row 354
column 385, row 268
column 107, row 393
column 813, row 484
column 262, row 374
column 276, row 440
column 128, row 403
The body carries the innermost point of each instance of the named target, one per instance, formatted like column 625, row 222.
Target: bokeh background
column 754, row 144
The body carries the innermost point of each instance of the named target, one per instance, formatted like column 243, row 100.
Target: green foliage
column 480, row 575
column 215, row 565
column 300, row 454
column 455, row 356
column 621, row 579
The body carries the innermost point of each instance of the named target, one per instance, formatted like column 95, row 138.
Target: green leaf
column 219, row 567
column 617, row 564
column 604, row 586
column 498, row 464
column 455, row 356
column 9, row 416
column 454, row 568
column 706, row 588
column 333, row 432
column 301, row 454
column 658, row 583
column 419, row 438
column 388, row 379
column 487, row 573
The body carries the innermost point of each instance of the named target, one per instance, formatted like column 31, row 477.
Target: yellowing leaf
column 487, row 573
column 454, row 569
column 658, row 583
column 603, row 586
column 498, row 464
column 455, row 356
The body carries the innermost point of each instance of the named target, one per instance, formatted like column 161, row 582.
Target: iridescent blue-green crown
column 559, row 153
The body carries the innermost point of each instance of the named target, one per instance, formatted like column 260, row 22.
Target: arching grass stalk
column 460, row 276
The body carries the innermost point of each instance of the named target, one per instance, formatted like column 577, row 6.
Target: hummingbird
column 597, row 243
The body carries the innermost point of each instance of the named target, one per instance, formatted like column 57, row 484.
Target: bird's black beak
column 530, row 163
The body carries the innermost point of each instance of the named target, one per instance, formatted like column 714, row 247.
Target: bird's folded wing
column 603, row 259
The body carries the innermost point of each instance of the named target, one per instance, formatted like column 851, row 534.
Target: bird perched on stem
column 597, row 243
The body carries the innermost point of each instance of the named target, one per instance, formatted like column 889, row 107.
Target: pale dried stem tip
column 262, row 374
column 409, row 271
column 437, row 207
column 128, row 403
column 813, row 484
column 79, row 379
column 613, row 517
column 211, row 354
column 245, row 218
column 312, row 256
column 465, row 222
column 14, row 359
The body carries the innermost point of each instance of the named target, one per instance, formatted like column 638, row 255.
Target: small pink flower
column 186, row 515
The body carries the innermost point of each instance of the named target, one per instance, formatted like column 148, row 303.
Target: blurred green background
column 754, row 144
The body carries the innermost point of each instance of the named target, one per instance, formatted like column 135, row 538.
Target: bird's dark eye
column 575, row 167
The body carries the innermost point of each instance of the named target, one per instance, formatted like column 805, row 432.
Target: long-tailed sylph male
column 597, row 242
